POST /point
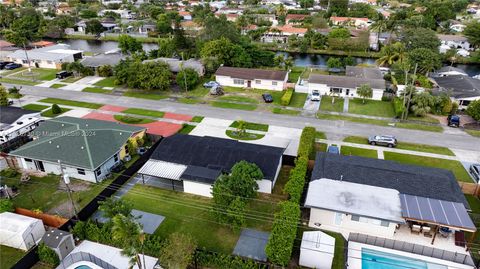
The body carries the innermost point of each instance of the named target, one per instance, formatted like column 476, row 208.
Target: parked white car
column 315, row 95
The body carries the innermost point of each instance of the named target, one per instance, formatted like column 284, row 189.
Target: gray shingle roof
column 346, row 81
column 9, row 114
column 407, row 179
column 460, row 86
column 364, row 72
column 77, row 142
column 251, row 74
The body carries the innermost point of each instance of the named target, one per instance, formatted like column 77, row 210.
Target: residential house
column 458, row 27
column 15, row 125
column 176, row 65
column 124, row 13
column 87, row 149
column 64, row 9
column 94, row 62
column 455, row 42
column 59, row 241
column 370, row 2
column 187, row 16
column 417, row 212
column 192, row 164
column 461, row 89
column 280, row 34
column 295, row 18
column 20, row 232
column 6, row 48
column 449, row 71
column 252, row 78
column 351, row 21
column 46, row 57
column 191, row 26
column 346, row 86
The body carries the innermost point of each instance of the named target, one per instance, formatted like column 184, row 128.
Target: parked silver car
column 475, row 171
column 383, row 140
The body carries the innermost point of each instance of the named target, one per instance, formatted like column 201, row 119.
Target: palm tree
column 127, row 230
column 392, row 54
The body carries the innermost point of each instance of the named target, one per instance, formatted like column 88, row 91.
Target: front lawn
column 455, row 166
column 356, row 140
column 421, row 127
column 352, row 119
column 298, row 99
column 57, row 85
column 37, row 74
column 106, row 82
column 49, row 113
column 132, row 120
column 146, row 95
column 191, row 214
column 326, row 104
column 96, row 90
column 18, row 81
column 221, row 104
column 475, row 133
column 72, row 79
column 71, row 103
column 252, row 126
column 186, row 129
column 284, row 111
column 239, row 99
column 371, row 108
column 144, row 112
column 353, row 151
column 35, row 107
column 10, row 256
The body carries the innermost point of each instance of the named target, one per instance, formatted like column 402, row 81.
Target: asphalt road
column 454, row 139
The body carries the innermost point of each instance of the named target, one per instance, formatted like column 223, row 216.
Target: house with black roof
column 462, row 89
column 405, row 207
column 193, row 163
column 15, row 124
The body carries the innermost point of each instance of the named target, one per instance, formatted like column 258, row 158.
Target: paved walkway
column 346, row 102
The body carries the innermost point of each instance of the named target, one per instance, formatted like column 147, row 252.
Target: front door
column 249, row 84
column 39, row 166
column 347, row 92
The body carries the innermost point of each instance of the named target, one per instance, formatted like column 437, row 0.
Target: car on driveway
column 383, row 140
column 63, row 74
column 12, row 66
column 453, row 120
column 268, row 98
column 3, row 64
column 210, row 84
column 315, row 95
column 475, row 171
column 333, row 149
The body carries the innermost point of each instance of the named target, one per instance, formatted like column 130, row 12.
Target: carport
column 162, row 174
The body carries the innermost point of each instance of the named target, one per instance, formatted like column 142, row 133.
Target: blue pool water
column 83, row 267
column 372, row 259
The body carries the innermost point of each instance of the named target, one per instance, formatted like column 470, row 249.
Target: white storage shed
column 317, row 250
column 21, row 232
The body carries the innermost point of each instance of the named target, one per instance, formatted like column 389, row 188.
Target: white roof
column 318, row 241
column 51, row 53
column 163, row 169
column 111, row 255
column 354, row 198
column 15, row 223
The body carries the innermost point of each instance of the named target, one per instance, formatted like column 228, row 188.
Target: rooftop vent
column 58, row 146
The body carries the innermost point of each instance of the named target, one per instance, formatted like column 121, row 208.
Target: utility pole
column 411, row 92
column 66, row 179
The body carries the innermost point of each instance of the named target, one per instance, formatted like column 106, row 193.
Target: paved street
column 333, row 129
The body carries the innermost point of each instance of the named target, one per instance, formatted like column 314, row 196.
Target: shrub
column 217, row 260
column 307, row 141
column 286, row 97
column 6, row 205
column 9, row 173
column 105, row 71
column 473, row 110
column 398, row 107
column 296, row 181
column 56, row 109
column 47, row 255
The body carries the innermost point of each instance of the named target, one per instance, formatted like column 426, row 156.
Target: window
column 258, row 81
column 274, row 83
column 28, row 160
column 126, row 149
column 355, row 218
column 98, row 172
column 238, row 81
column 81, row 171
column 385, row 223
column 338, row 218
column 115, row 157
column 49, row 62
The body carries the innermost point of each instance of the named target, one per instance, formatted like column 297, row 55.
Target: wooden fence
column 49, row 220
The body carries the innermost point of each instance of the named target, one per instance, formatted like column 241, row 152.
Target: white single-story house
column 124, row 13
column 458, row 27
column 275, row 80
column 462, row 89
column 455, row 42
column 282, row 33
column 346, row 86
column 87, row 149
column 388, row 204
column 21, row 232
column 46, row 57
column 351, row 21
column 317, row 250
column 449, row 71
column 15, row 125
column 59, row 241
column 192, row 164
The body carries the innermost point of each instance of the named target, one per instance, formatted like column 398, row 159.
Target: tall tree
column 427, row 60
column 3, row 96
column 472, row 32
column 415, row 38
column 422, row 103
column 129, row 44
column 94, row 27
column 177, row 251
column 365, row 91
column 130, row 233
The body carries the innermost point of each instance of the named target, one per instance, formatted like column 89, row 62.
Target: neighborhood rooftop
column 407, row 179
column 346, row 81
column 251, row 74
column 9, row 114
column 51, row 53
column 364, row 72
column 78, row 142
column 460, row 86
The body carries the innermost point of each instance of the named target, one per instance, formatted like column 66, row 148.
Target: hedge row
column 286, row 97
column 307, row 142
column 208, row 259
column 284, row 231
column 296, row 181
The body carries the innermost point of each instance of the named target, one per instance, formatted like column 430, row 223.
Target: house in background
column 15, row 125
column 252, row 78
column 176, row 65
column 449, row 71
column 192, row 164
column 461, row 89
column 351, row 21
column 455, row 42
column 46, row 57
column 88, row 149
column 20, row 232
column 282, row 33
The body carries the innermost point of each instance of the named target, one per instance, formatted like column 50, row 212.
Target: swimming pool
column 83, row 267
column 373, row 259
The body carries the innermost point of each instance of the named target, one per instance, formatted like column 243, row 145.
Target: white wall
column 325, row 90
column 327, row 219
column 263, row 84
column 265, row 186
column 312, row 258
column 54, row 168
column 197, row 188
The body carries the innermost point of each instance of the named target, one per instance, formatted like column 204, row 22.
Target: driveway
column 310, row 107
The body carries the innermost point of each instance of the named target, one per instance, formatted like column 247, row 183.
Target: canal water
column 300, row 59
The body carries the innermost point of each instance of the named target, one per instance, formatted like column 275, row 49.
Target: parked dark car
column 453, row 120
column 3, row 64
column 268, row 98
column 63, row 74
column 210, row 84
column 475, row 171
column 12, row 66
column 383, row 140
column 333, row 149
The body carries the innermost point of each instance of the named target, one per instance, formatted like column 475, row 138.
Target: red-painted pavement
column 113, row 108
column 174, row 116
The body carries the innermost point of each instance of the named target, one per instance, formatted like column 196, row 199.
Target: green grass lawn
column 18, row 81
column 295, row 73
column 320, row 135
column 146, row 95
column 456, row 167
column 57, row 85
column 144, row 112
column 9, row 72
column 186, row 129
column 339, row 254
column 221, row 104
column 96, row 90
column 35, row 107
column 199, row 90
column 106, row 82
column 240, row 99
column 473, row 132
column 418, row 126
column 197, row 119
column 474, row 203
column 356, row 139
column 298, row 99
column 37, row 74
column 49, row 113
column 252, row 126
column 326, row 104
column 72, row 79
column 9, row 256
column 371, row 108
column 423, row 119
column 189, row 100
column 71, row 103
column 132, row 120
column 190, row 214
column 353, row 151
column 284, row 111
column 246, row 136
column 282, row 179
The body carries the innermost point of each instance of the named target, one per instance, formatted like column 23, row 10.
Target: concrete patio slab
column 149, row 221
column 251, row 244
column 77, row 113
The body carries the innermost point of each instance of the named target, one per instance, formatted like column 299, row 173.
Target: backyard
column 9, row 256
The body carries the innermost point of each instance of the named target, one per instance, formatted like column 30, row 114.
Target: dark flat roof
column 205, row 155
column 251, row 74
column 407, row 179
column 54, row 237
column 9, row 114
